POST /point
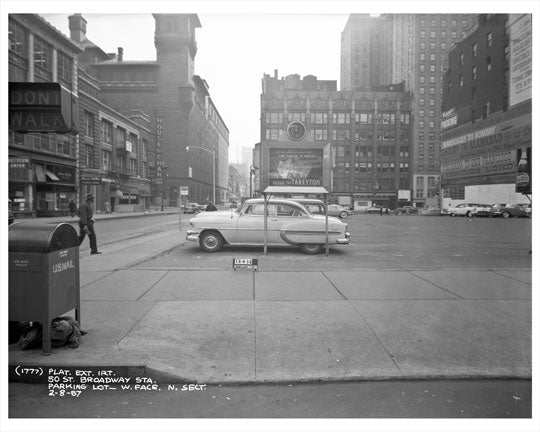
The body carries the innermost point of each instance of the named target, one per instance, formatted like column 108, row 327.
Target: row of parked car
column 487, row 210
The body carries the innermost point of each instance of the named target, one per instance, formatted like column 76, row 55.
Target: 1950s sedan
column 288, row 223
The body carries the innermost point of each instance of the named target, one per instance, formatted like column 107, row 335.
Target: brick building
column 176, row 103
column 364, row 136
column 487, row 120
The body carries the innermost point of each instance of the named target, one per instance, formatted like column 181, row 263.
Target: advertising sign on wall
column 295, row 167
column 520, row 82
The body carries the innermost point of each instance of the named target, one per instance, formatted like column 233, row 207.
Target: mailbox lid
column 42, row 237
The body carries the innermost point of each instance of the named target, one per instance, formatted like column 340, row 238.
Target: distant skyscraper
column 409, row 48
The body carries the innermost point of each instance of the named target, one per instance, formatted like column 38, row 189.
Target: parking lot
column 387, row 242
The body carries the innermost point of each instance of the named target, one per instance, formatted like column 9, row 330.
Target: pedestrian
column 86, row 224
column 381, row 210
column 211, row 207
column 386, row 211
column 72, row 207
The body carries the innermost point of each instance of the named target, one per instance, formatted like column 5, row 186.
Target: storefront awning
column 40, row 174
column 51, row 175
column 296, row 189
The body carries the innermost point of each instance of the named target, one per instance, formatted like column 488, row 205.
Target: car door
column 250, row 225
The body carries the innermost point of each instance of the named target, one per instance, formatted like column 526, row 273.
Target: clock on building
column 296, row 130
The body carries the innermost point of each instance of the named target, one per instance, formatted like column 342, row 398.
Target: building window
column 432, row 113
column 506, row 53
column 432, row 125
column 64, row 68
column 421, row 101
column 17, row 39
column 296, row 116
column 319, row 118
column 42, row 54
column 404, row 118
column 422, row 45
column 422, row 56
column 432, row 79
column 422, row 23
column 488, row 64
column 422, row 68
column 432, row 102
column 105, row 160
column 432, row 68
column 320, row 134
column 443, row 45
column 422, row 34
column 474, row 50
column 489, row 39
column 485, row 111
column 421, row 124
column 422, row 79
column 272, row 134
column 505, row 78
column 461, row 80
column 364, row 118
column 274, row 118
column 461, row 59
column 443, row 23
column 454, row 35
column 473, row 70
column 341, row 118
column 422, row 90
column 421, row 135
column 432, row 57
column 464, row 23
column 421, row 113
column 432, row 90
column 106, row 132
column 432, row 34
column 88, row 124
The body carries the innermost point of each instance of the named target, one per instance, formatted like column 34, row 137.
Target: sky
column 239, row 42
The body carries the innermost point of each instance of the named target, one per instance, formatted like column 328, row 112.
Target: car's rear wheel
column 211, row 241
column 343, row 214
column 452, row 215
column 506, row 215
column 311, row 248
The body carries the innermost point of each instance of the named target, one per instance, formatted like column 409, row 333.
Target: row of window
column 59, row 144
column 433, row 23
column 42, row 54
column 344, row 134
column 89, row 157
column 339, row 118
column 453, row 34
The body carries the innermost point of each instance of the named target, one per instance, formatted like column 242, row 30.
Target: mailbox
column 44, row 277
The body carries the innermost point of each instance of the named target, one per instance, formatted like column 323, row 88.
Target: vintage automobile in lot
column 288, row 223
column 508, row 211
column 469, row 210
column 193, row 208
column 377, row 209
column 316, row 206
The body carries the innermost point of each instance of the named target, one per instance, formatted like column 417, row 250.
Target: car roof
column 307, row 200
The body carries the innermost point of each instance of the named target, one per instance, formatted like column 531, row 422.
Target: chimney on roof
column 120, row 54
column 275, row 73
column 77, row 28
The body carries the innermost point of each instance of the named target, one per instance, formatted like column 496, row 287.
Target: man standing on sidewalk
column 86, row 224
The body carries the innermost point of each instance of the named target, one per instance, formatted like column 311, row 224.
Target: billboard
column 520, row 80
column 295, row 167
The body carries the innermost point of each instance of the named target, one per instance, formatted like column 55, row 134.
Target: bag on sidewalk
column 64, row 331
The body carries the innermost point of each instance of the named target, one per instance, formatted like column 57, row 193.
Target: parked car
column 527, row 208
column 193, row 208
column 408, row 210
column 376, row 209
column 316, row 206
column 288, row 224
column 508, row 210
column 431, row 211
column 469, row 210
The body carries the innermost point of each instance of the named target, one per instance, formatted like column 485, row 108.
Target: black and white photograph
column 255, row 215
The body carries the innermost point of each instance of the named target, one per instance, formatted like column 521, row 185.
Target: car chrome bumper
column 345, row 240
column 192, row 235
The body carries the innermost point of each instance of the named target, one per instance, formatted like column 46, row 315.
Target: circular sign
column 296, row 130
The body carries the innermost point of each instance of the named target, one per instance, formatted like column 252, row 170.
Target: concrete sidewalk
column 225, row 326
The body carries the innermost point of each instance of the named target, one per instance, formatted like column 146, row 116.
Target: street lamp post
column 213, row 152
column 252, row 170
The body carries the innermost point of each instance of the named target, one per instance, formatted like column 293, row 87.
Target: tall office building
column 409, row 48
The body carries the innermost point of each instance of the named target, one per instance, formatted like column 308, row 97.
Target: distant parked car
column 508, row 210
column 11, row 218
column 316, row 206
column 431, row 211
column 288, row 224
column 527, row 208
column 469, row 210
column 376, row 209
column 193, row 208
column 408, row 209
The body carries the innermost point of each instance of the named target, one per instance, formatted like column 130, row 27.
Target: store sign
column 65, row 174
column 19, row 163
column 90, row 179
column 159, row 145
column 184, row 191
column 295, row 167
column 41, row 107
column 129, row 199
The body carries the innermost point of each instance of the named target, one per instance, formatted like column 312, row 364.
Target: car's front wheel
column 211, row 241
column 452, row 215
column 343, row 214
column 470, row 214
column 311, row 248
column 506, row 215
